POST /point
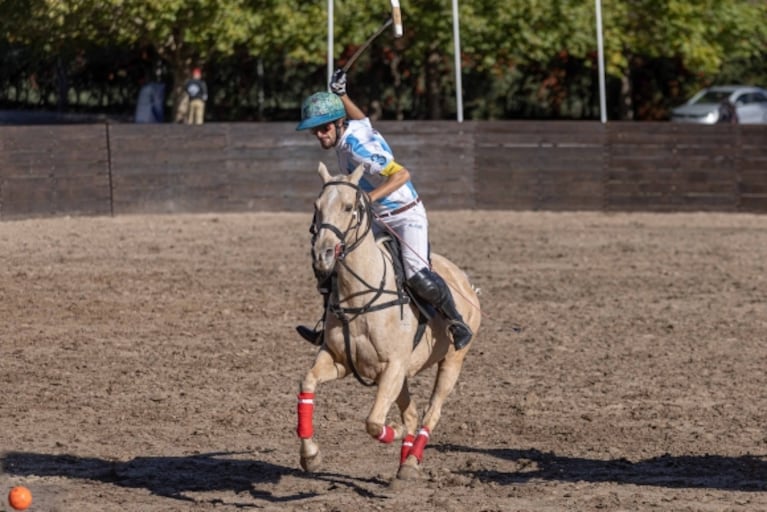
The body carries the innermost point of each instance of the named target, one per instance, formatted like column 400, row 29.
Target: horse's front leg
column 389, row 389
column 324, row 369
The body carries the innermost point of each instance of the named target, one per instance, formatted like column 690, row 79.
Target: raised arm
column 352, row 110
column 338, row 87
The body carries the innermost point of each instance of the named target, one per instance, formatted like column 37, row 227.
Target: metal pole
column 330, row 40
column 601, row 57
column 457, row 56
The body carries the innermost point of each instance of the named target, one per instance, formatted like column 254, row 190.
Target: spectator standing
column 150, row 107
column 197, row 93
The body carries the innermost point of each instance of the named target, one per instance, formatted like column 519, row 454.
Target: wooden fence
column 113, row 169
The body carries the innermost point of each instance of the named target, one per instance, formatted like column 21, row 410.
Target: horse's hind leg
column 448, row 372
column 409, row 415
column 447, row 375
column 323, row 370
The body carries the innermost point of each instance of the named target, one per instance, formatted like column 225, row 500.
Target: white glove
column 338, row 82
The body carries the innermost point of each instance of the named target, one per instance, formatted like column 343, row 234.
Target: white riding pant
column 411, row 228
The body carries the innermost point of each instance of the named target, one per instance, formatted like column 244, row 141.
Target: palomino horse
column 370, row 331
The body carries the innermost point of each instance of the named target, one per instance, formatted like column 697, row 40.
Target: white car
column 703, row 108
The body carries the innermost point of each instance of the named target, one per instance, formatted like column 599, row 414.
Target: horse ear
column 323, row 172
column 357, row 174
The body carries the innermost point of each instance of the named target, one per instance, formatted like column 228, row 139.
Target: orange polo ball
column 20, row 498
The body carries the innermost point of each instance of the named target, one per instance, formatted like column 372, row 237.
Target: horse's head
column 341, row 218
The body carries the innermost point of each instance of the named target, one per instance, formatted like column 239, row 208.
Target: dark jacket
column 196, row 89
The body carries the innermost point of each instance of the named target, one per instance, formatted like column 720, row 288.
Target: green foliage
column 520, row 58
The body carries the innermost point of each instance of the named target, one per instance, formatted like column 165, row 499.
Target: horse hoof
column 409, row 472
column 311, row 463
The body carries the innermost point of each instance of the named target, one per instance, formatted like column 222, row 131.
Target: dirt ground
column 149, row 363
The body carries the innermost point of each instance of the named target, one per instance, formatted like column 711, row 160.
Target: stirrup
column 462, row 334
column 310, row 335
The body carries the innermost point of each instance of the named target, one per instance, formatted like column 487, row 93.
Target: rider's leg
column 432, row 288
column 413, row 230
column 314, row 335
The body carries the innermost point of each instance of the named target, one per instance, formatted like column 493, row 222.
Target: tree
column 700, row 35
column 184, row 33
column 520, row 58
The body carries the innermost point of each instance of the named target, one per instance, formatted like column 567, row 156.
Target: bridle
column 346, row 315
column 364, row 212
column 360, row 228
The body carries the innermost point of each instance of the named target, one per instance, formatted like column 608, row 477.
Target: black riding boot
column 432, row 288
column 314, row 336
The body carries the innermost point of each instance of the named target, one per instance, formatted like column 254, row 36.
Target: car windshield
column 713, row 97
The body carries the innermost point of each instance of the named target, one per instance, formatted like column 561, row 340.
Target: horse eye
column 348, row 208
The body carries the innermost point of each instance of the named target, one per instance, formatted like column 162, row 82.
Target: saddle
column 425, row 310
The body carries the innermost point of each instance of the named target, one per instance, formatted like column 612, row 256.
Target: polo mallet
column 365, row 45
column 396, row 16
column 396, row 19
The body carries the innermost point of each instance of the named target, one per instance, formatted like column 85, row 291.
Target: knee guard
column 430, row 287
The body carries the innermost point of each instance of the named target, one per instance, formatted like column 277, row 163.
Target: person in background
column 150, row 107
column 338, row 123
column 197, row 94
column 727, row 113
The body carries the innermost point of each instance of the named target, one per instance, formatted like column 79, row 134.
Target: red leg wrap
column 420, row 443
column 407, row 446
column 387, row 435
column 305, row 412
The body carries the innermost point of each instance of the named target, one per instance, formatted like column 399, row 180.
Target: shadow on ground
column 174, row 477
column 743, row 473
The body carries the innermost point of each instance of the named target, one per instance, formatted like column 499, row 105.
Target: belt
column 401, row 209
